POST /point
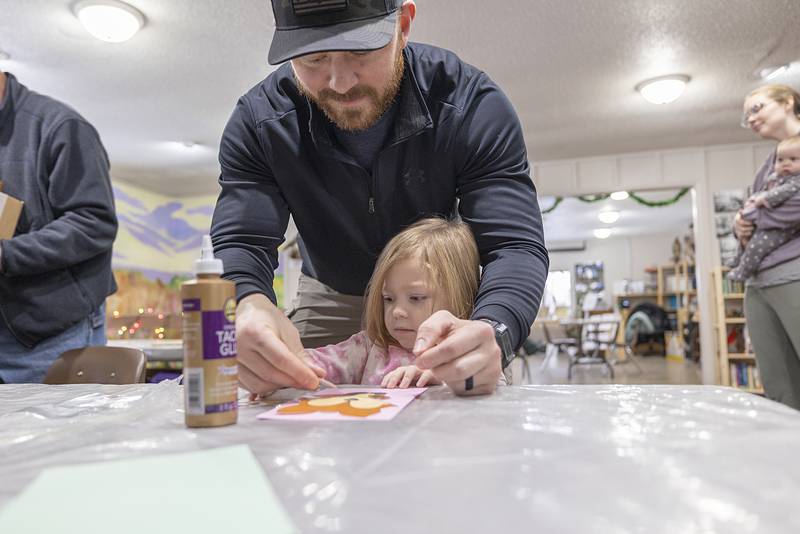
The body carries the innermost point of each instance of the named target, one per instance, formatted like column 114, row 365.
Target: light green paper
column 210, row 491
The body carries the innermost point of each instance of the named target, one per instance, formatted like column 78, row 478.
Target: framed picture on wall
column 726, row 204
column 730, row 200
column 588, row 279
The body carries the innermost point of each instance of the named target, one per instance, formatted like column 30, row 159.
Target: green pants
column 773, row 319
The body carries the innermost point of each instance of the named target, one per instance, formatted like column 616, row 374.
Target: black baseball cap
column 309, row 26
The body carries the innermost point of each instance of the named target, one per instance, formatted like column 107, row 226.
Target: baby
column 780, row 188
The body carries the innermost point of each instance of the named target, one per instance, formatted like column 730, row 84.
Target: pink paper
column 345, row 404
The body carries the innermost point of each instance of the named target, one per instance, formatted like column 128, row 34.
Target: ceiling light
column 602, row 233
column 184, row 147
column 619, row 195
column 664, row 89
column 770, row 73
column 608, row 217
column 109, row 20
column 4, row 55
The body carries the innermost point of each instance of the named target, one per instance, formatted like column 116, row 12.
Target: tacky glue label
column 209, row 345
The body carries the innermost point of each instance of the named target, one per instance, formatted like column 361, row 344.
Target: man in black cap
column 358, row 135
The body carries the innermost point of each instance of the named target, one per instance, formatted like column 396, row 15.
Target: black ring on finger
column 469, row 383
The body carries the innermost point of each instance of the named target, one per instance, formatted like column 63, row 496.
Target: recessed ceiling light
column 608, row 217
column 619, row 195
column 109, row 20
column 664, row 89
column 602, row 233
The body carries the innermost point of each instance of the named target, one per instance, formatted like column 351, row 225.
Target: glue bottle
column 210, row 374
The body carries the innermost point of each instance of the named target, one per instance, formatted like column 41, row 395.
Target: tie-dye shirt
column 358, row 360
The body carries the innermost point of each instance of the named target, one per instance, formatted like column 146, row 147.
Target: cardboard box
column 10, row 209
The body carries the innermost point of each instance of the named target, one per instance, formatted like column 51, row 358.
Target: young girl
column 431, row 265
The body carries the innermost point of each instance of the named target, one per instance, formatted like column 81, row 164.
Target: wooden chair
column 98, row 365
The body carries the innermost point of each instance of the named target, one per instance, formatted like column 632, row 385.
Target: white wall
column 651, row 250
column 622, row 257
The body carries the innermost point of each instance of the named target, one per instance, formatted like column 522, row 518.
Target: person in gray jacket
column 55, row 272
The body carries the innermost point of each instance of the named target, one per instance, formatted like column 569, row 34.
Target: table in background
column 656, row 459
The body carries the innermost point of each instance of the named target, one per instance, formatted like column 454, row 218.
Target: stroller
column 647, row 324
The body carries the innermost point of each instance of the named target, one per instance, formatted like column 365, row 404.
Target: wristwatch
column 503, row 338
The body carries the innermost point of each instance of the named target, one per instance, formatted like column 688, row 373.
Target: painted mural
column 158, row 240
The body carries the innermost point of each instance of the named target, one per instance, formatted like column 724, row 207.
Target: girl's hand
column 403, row 377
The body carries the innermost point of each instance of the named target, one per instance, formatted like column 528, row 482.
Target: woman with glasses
column 772, row 297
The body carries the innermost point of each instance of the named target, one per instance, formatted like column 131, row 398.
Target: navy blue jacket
column 57, row 269
column 455, row 136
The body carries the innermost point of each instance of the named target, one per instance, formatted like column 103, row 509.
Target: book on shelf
column 729, row 286
column 672, row 302
column 745, row 375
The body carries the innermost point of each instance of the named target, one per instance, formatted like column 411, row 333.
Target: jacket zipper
column 371, row 183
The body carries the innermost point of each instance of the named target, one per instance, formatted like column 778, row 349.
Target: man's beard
column 361, row 117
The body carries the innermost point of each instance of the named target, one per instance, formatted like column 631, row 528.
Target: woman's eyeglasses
column 754, row 109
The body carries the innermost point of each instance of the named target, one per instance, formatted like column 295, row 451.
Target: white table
column 599, row 459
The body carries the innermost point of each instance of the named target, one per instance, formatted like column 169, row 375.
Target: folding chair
column 98, row 365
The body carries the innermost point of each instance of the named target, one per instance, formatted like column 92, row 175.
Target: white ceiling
column 569, row 66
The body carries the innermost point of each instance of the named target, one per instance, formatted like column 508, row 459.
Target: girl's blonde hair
column 781, row 94
column 447, row 250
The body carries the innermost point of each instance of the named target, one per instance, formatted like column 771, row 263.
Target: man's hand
column 403, row 377
column 743, row 228
column 269, row 351
column 456, row 350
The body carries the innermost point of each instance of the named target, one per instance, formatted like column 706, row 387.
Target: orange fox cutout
column 353, row 404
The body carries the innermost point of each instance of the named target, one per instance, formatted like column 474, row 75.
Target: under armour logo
column 414, row 176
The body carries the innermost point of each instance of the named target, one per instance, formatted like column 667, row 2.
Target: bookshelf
column 678, row 292
column 737, row 362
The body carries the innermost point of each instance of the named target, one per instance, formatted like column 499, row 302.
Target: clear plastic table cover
column 600, row 459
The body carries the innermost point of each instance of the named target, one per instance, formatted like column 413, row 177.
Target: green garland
column 659, row 203
column 603, row 196
column 554, row 206
column 593, row 198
